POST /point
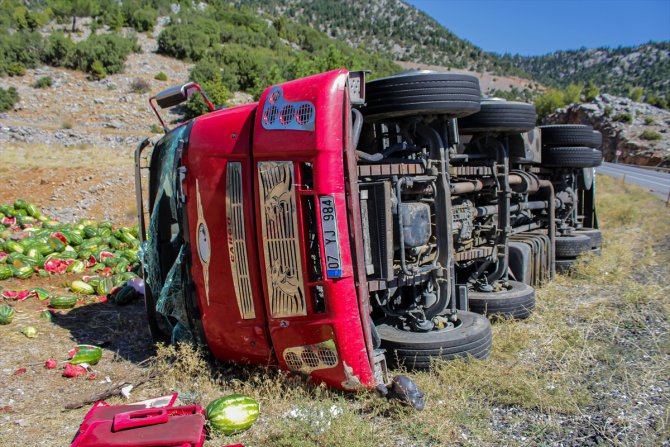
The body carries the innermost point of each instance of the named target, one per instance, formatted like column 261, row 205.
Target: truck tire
column 597, row 157
column 570, row 135
column 570, row 157
column 564, row 266
column 572, row 246
column 421, row 93
column 471, row 337
column 597, row 139
column 595, row 235
column 516, row 302
column 499, row 116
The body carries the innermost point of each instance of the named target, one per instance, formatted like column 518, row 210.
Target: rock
column 619, row 135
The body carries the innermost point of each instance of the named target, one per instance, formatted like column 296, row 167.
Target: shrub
column 143, row 19
column 155, row 128
column 546, row 104
column 648, row 120
column 161, row 77
column 183, row 42
column 97, row 70
column 43, row 82
column 59, row 50
column 216, row 92
column 108, row 49
column 608, row 110
column 140, row 86
column 650, row 135
column 635, row 93
column 8, row 97
column 19, row 51
column 591, row 91
column 624, row 117
column 66, row 124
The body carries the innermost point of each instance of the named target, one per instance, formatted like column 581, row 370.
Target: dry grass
column 589, row 367
column 22, row 156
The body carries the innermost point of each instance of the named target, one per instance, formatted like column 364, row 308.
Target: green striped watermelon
column 6, row 314
column 62, row 302
column 232, row 414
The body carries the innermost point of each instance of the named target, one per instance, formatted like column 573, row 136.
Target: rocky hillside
column 639, row 131
column 615, row 70
column 392, row 27
column 407, row 34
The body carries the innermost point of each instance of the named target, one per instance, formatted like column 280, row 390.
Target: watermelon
column 82, row 287
column 105, row 286
column 52, row 224
column 76, row 267
column 14, row 247
column 23, row 272
column 6, row 272
column 29, row 331
column 46, row 315
column 62, row 302
column 6, row 314
column 32, row 210
column 232, row 414
column 40, row 294
column 19, row 204
column 56, row 244
column 86, row 354
column 125, row 295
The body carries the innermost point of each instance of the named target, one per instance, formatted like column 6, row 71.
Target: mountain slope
column 616, row 70
column 392, row 27
column 405, row 33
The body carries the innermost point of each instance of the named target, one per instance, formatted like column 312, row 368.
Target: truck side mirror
column 174, row 96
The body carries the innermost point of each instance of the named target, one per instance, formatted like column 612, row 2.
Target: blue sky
column 534, row 27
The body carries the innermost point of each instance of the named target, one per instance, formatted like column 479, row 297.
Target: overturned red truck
column 338, row 226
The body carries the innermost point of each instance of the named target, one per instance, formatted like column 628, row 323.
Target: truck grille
column 281, row 245
column 236, row 236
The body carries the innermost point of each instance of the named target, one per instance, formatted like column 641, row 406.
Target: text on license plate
column 330, row 237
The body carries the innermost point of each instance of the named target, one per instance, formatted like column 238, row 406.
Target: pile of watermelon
column 31, row 243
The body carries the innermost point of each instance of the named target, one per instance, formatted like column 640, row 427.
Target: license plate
column 330, row 237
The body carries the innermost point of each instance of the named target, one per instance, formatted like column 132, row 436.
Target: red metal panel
column 323, row 148
column 217, row 139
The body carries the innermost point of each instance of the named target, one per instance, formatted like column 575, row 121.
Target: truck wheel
column 597, row 139
column 570, row 135
column 470, row 337
column 597, row 157
column 571, row 157
column 421, row 93
column 572, row 246
column 516, row 302
column 565, row 265
column 499, row 116
column 595, row 235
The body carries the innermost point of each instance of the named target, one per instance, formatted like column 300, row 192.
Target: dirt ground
column 590, row 367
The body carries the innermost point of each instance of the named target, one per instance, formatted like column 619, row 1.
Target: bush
column 140, row 86
column 649, row 120
column 216, row 92
column 546, row 104
column 108, row 50
column 155, row 128
column 19, row 51
column 624, row 117
column 59, row 50
column 608, row 110
column 67, row 124
column 161, row 77
column 591, row 92
column 650, row 135
column 635, row 93
column 184, row 42
column 8, row 97
column 43, row 82
column 143, row 19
